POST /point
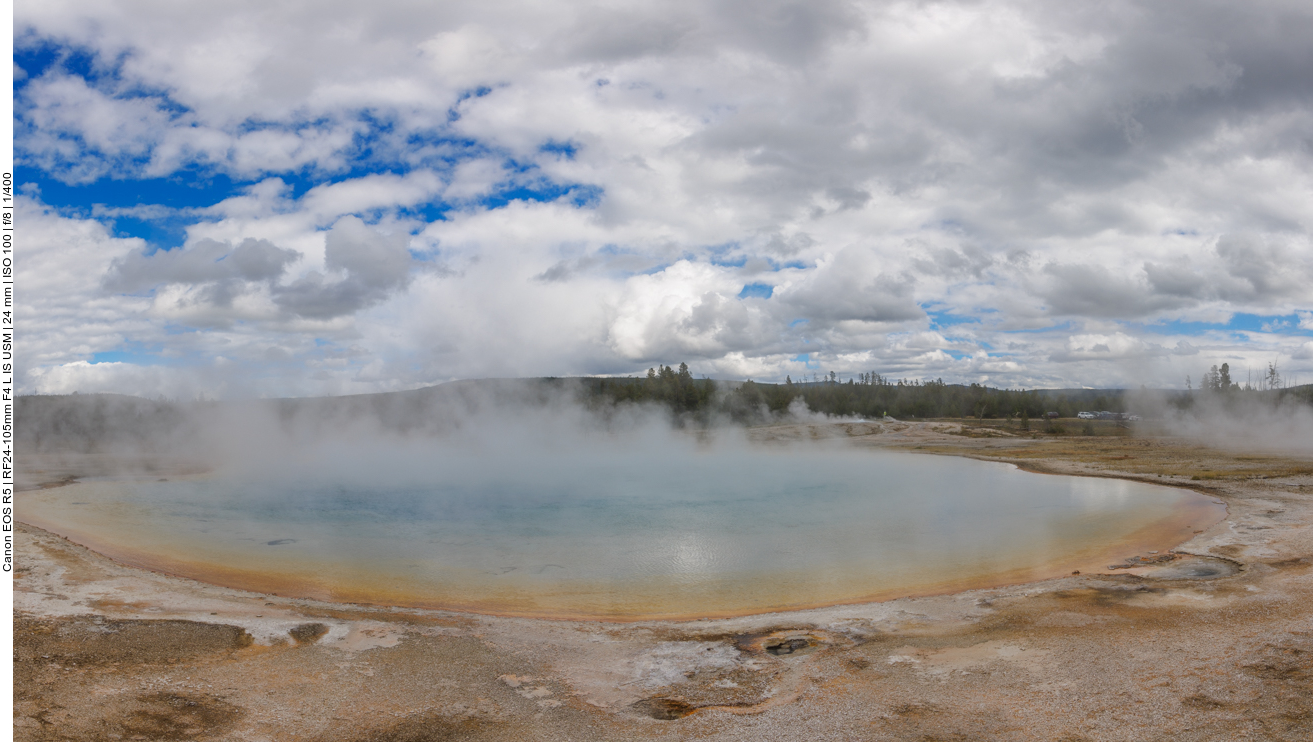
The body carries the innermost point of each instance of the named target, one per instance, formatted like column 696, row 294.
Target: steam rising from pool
column 562, row 519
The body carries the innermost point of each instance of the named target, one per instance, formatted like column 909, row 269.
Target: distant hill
column 108, row 423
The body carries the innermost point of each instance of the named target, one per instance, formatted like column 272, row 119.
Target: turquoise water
column 620, row 534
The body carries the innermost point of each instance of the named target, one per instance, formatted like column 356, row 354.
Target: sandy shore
column 1214, row 644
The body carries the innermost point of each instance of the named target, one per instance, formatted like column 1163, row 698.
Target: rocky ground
column 1214, row 642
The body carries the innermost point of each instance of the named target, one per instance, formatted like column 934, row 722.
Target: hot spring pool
column 627, row 536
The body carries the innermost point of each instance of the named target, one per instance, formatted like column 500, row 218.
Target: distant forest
column 872, row 396
column 104, row 422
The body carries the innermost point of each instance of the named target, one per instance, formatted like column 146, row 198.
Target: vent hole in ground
column 665, row 709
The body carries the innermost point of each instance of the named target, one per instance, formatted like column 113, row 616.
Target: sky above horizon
column 304, row 198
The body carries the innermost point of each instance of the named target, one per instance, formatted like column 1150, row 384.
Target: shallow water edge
column 646, row 599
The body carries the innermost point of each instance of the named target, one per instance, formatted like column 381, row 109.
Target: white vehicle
column 1087, row 415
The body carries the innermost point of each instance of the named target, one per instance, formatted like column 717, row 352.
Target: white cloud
column 1077, row 173
column 1116, row 346
column 686, row 310
column 62, row 312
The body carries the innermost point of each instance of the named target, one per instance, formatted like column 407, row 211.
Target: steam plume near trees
column 131, row 433
column 1262, row 416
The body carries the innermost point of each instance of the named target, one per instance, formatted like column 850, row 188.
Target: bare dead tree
column 1272, row 380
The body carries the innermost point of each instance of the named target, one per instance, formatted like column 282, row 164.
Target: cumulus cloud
column 856, row 285
column 1240, row 269
column 1100, row 291
column 371, row 266
column 1118, row 346
column 206, row 262
column 1270, row 271
column 62, row 307
column 362, row 267
column 1069, row 188
column 688, row 309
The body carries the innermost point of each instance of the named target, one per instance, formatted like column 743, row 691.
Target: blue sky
column 221, row 201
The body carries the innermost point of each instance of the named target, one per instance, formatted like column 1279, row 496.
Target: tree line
column 869, row 395
column 1219, row 380
column 1217, row 387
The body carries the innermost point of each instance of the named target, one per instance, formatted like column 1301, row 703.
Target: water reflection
column 626, row 535
column 1100, row 494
